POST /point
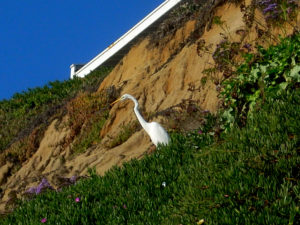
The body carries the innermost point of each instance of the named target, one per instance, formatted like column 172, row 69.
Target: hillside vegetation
column 238, row 164
column 249, row 175
column 26, row 115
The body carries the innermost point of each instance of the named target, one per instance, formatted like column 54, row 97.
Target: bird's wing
column 158, row 134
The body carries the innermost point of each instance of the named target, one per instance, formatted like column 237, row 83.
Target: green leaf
column 254, row 74
column 283, row 85
column 295, row 73
column 263, row 68
column 253, row 97
column 228, row 115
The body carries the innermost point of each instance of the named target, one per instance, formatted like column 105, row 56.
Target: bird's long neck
column 138, row 114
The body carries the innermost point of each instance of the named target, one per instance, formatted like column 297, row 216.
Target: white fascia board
column 126, row 38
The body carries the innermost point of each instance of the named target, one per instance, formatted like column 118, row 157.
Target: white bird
column 157, row 133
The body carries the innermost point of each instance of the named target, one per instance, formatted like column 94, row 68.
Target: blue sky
column 40, row 39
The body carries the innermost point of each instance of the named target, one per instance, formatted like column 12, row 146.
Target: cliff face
column 165, row 76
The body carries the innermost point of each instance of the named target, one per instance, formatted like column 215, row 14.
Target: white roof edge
column 126, row 38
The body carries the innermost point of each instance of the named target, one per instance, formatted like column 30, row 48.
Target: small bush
column 271, row 70
column 125, row 133
column 20, row 115
column 25, row 117
column 90, row 134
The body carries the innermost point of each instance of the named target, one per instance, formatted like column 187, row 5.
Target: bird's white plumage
column 157, row 133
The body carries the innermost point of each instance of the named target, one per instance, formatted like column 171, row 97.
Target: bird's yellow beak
column 115, row 101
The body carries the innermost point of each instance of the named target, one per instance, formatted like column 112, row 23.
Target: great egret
column 157, row 133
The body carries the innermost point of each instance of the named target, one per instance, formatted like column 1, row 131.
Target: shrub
column 25, row 117
column 271, row 70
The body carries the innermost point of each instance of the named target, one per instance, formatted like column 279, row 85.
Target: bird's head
column 122, row 98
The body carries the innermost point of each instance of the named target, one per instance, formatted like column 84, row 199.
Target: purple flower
column 269, row 8
column 247, row 46
column 224, row 41
column 292, row 2
column 41, row 187
column 44, row 220
column 273, row 16
column 124, row 206
column 31, row 190
column 264, row 2
column 77, row 199
column 200, row 132
column 73, row 179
